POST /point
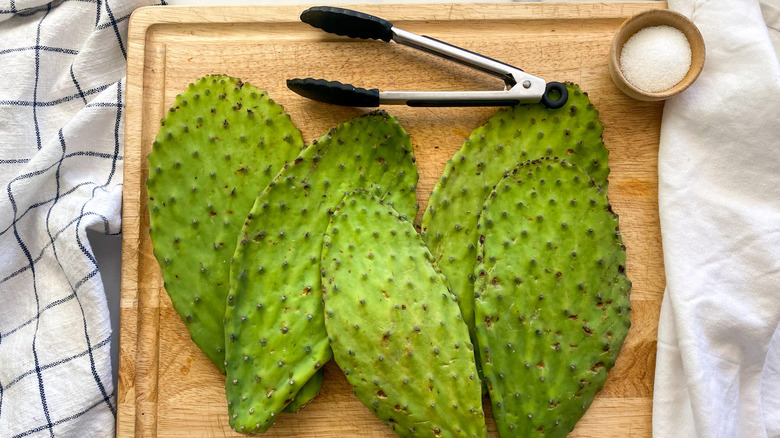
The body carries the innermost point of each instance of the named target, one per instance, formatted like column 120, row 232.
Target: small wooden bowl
column 656, row 17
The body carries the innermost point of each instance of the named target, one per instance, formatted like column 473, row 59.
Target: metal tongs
column 520, row 87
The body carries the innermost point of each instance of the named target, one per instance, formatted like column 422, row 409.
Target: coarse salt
column 656, row 58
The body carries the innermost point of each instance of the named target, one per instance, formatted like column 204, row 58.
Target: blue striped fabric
column 62, row 68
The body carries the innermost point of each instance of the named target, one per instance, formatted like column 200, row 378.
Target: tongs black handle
column 346, row 22
column 338, row 93
column 334, row 92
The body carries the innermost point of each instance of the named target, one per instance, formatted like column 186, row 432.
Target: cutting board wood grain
column 167, row 387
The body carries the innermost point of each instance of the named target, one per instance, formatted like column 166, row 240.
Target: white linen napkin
column 718, row 363
column 62, row 68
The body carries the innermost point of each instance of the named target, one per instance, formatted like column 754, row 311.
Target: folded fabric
column 62, row 66
column 718, row 363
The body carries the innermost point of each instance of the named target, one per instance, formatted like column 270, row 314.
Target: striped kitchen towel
column 62, row 68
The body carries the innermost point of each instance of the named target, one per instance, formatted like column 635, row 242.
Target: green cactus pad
column 394, row 326
column 221, row 142
column 511, row 136
column 306, row 394
column 552, row 307
column 274, row 328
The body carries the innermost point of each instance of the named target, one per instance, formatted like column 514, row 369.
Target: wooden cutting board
column 167, row 387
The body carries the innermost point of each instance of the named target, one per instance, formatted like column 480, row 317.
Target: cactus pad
column 511, row 136
column 394, row 326
column 306, row 394
column 274, row 328
column 221, row 142
column 552, row 306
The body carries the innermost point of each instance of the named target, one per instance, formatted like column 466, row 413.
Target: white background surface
column 108, row 248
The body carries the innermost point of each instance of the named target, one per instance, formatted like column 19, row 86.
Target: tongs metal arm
column 530, row 88
column 520, row 87
column 459, row 55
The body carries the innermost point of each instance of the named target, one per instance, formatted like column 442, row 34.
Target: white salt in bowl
column 651, row 19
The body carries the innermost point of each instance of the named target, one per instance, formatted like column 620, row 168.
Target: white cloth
column 62, row 68
column 718, row 365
